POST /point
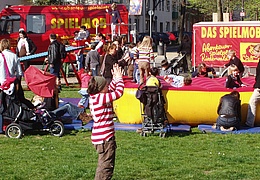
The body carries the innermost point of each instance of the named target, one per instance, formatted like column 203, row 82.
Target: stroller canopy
column 40, row 82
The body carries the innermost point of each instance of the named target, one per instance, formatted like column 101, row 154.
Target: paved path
column 170, row 55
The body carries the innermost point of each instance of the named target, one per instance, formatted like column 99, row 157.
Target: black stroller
column 20, row 119
column 152, row 108
column 178, row 62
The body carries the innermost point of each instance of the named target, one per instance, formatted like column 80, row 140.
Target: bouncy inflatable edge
column 192, row 105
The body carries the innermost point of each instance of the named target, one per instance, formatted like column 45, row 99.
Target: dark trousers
column 227, row 122
column 106, row 159
column 20, row 95
column 1, row 123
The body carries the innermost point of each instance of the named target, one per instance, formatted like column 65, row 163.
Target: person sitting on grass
column 74, row 111
column 229, row 111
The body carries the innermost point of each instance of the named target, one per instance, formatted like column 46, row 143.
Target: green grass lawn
column 178, row 156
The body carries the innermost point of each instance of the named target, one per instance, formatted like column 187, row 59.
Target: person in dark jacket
column 185, row 47
column 25, row 47
column 235, row 60
column 229, row 111
column 92, row 61
column 54, row 61
column 233, row 80
column 115, row 18
column 251, row 113
column 109, row 63
column 54, row 56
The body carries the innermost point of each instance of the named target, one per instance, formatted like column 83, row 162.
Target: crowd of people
column 102, row 83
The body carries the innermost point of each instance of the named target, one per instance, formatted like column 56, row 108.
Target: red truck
column 40, row 21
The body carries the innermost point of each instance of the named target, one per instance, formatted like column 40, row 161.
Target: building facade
column 13, row 2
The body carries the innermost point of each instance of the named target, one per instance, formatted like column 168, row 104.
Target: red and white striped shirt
column 102, row 111
column 145, row 54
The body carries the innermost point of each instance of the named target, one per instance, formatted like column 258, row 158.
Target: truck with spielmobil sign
column 212, row 40
column 41, row 21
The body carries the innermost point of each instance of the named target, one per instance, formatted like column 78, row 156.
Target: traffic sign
column 150, row 12
column 242, row 14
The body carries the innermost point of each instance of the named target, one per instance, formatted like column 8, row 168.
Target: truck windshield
column 9, row 24
column 35, row 24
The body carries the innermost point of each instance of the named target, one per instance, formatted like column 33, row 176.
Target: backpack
column 63, row 52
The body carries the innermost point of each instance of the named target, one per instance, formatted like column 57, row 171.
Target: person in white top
column 15, row 70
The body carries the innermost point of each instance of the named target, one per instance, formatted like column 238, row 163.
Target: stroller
column 20, row 119
column 152, row 105
column 179, row 62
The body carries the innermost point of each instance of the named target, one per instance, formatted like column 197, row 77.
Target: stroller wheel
column 57, row 129
column 162, row 134
column 143, row 134
column 14, row 130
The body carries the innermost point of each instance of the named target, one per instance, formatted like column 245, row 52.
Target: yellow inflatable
column 193, row 105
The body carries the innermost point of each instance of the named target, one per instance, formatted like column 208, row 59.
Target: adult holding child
column 233, row 59
column 233, row 80
column 101, row 98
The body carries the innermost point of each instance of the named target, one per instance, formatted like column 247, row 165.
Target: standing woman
column 15, row 70
column 185, row 47
column 255, row 98
column 100, row 46
column 25, row 47
column 145, row 51
column 110, row 61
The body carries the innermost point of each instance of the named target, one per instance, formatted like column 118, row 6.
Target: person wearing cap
column 25, row 47
column 101, row 99
column 166, row 68
column 92, row 61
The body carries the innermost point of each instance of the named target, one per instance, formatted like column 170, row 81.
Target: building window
column 147, row 24
column 36, row 24
column 161, row 26
column 167, row 28
column 168, row 5
column 162, row 5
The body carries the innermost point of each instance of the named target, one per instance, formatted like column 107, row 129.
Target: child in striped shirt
column 145, row 51
column 101, row 98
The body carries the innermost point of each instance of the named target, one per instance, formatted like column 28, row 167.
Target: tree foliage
column 47, row 2
column 207, row 7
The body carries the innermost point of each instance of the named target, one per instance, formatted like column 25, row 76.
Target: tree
column 48, row 2
column 207, row 7
column 219, row 10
